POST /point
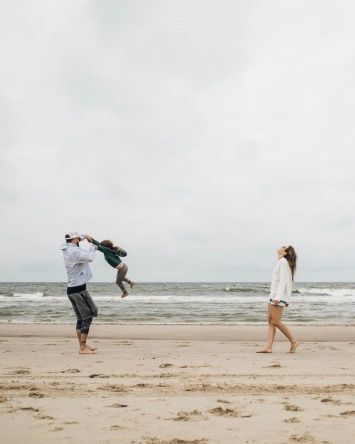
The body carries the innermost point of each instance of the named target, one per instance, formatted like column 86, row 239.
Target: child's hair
column 109, row 244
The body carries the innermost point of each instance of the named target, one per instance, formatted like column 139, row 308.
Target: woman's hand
column 276, row 302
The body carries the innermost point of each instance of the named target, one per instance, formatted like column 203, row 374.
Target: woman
column 281, row 290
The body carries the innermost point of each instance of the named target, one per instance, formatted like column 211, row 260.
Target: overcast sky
column 198, row 135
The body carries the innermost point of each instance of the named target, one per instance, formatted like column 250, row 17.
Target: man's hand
column 89, row 238
column 95, row 247
column 276, row 302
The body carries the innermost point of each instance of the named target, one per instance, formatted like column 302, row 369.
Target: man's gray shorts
column 83, row 305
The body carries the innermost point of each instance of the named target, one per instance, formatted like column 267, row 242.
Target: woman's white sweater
column 281, row 285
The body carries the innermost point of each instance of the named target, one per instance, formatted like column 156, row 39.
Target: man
column 77, row 261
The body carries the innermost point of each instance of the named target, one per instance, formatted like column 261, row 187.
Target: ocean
column 227, row 303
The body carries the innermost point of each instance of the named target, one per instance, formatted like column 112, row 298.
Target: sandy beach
column 176, row 384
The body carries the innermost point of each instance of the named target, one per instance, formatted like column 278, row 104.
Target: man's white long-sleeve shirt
column 76, row 262
column 281, row 285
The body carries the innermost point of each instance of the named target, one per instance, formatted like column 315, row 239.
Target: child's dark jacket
column 111, row 256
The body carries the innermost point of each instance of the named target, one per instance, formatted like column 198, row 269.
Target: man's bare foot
column 294, row 345
column 131, row 284
column 123, row 295
column 86, row 351
column 265, row 350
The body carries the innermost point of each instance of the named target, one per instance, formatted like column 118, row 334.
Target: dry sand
column 176, row 385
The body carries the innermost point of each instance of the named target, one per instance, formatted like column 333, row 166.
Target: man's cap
column 72, row 234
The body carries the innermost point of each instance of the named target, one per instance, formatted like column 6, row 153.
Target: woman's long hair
column 109, row 244
column 291, row 258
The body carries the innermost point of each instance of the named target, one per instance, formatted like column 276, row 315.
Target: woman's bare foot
column 123, row 295
column 86, row 351
column 265, row 350
column 294, row 345
column 91, row 348
column 131, row 284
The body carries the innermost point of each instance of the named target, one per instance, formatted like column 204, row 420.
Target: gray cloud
column 199, row 135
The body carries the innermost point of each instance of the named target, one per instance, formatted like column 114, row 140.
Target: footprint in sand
column 189, row 416
column 291, row 420
column 117, row 405
column 224, row 401
column 57, row 429
column 29, row 409
column 165, row 365
column 35, row 395
column 331, row 401
column 292, row 408
column 94, row 375
column 166, row 375
column 43, row 417
column 175, row 441
column 306, row 437
column 113, row 388
column 116, row 427
column 142, row 385
column 220, row 411
column 71, row 370
column 348, row 413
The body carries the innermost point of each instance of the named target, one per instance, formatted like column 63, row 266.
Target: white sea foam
column 37, row 294
column 337, row 292
column 140, row 299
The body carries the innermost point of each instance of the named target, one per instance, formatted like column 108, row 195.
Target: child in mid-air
column 112, row 256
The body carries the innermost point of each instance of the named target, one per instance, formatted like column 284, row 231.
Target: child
column 112, row 256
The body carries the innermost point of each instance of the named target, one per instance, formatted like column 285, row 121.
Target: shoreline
column 169, row 332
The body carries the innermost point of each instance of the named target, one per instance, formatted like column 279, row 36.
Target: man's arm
column 82, row 256
column 83, row 236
